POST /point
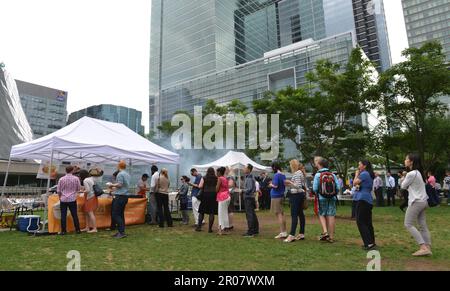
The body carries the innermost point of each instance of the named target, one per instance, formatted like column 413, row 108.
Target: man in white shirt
column 378, row 189
column 152, row 209
column 390, row 189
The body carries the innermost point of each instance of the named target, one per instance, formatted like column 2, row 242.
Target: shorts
column 276, row 205
column 327, row 207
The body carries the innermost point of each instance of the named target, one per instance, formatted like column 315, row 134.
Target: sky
column 98, row 50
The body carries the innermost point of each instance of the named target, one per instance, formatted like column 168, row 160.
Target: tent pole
column 178, row 176
column 6, row 179
column 44, row 224
column 240, row 188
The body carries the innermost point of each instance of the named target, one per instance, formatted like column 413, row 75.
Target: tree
column 408, row 93
column 327, row 110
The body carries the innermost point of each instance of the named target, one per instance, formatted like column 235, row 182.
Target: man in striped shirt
column 68, row 188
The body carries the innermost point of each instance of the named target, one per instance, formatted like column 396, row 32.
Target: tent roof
column 95, row 141
column 234, row 160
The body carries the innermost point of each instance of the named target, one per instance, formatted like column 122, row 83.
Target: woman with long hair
column 223, row 200
column 414, row 182
column 162, row 199
column 90, row 199
column 364, row 203
column 297, row 198
column 208, row 204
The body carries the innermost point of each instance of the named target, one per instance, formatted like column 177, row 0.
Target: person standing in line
column 326, row 186
column 234, row 192
column 90, row 199
column 402, row 192
column 390, row 188
column 142, row 186
column 162, row 199
column 417, row 205
column 152, row 212
column 378, row 189
column 431, row 179
column 67, row 189
column 277, row 194
column 364, row 203
column 111, row 190
column 446, row 186
column 297, row 199
column 208, row 204
column 257, row 194
column 183, row 198
column 264, row 186
column 194, row 193
column 249, row 202
column 121, row 199
column 223, row 200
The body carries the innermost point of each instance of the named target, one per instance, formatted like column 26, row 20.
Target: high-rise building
column 129, row 117
column 239, row 49
column 367, row 19
column 45, row 108
column 428, row 20
column 14, row 127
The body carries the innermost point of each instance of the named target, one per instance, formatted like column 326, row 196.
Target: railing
column 24, row 192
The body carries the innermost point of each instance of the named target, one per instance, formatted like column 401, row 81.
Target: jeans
column 391, row 196
column 151, row 208
column 364, row 222
column 73, row 211
column 113, row 221
column 416, row 212
column 162, row 202
column 297, row 213
column 252, row 219
column 354, row 209
column 379, row 196
column 118, row 212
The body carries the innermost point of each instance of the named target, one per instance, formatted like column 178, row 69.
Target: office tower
column 14, row 127
column 45, row 108
column 129, row 117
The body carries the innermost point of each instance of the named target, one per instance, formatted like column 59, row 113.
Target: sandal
column 324, row 237
column 300, row 237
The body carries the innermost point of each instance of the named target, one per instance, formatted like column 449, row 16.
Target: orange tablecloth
column 134, row 213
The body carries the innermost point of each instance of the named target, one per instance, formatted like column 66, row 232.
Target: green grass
column 180, row 248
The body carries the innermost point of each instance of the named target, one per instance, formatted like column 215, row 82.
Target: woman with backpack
column 208, row 198
column 417, row 205
column 364, row 203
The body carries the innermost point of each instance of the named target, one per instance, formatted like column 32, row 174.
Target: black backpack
column 327, row 185
column 98, row 191
column 433, row 197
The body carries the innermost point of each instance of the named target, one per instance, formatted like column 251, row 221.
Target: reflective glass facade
column 131, row 118
column 14, row 127
column 45, row 108
column 428, row 20
column 250, row 81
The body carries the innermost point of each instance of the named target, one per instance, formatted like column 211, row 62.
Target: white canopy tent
column 93, row 141
column 233, row 160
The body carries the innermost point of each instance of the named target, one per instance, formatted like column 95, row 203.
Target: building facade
column 45, row 108
column 129, row 117
column 428, row 20
column 218, row 49
column 14, row 127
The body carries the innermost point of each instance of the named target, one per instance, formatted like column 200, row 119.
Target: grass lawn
column 180, row 248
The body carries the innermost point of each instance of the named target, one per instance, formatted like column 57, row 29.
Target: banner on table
column 134, row 213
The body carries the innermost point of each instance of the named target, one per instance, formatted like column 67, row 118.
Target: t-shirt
column 123, row 178
column 432, row 181
column 195, row 190
column 365, row 188
column 278, row 181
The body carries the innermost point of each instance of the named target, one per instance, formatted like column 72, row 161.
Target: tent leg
column 240, row 199
column 44, row 224
column 4, row 182
column 178, row 176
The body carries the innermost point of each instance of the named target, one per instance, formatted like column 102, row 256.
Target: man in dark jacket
column 250, row 203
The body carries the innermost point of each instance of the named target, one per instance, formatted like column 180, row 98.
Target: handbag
column 305, row 204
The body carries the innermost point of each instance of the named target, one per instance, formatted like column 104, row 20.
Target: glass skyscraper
column 239, row 49
column 129, row 117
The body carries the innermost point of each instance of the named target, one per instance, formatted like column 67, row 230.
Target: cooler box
column 28, row 223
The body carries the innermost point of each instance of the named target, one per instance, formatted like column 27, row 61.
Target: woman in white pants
column 417, row 205
column 223, row 198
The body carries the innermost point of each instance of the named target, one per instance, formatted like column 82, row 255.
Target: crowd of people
column 215, row 194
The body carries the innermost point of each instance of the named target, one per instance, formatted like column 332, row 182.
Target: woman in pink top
column 223, row 198
column 431, row 179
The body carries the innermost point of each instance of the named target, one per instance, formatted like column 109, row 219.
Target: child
column 183, row 197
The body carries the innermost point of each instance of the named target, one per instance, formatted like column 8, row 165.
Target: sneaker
column 300, row 237
column 290, row 239
column 62, row 233
column 282, row 235
column 423, row 253
column 370, row 247
column 93, row 231
column 249, row 235
column 119, row 235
